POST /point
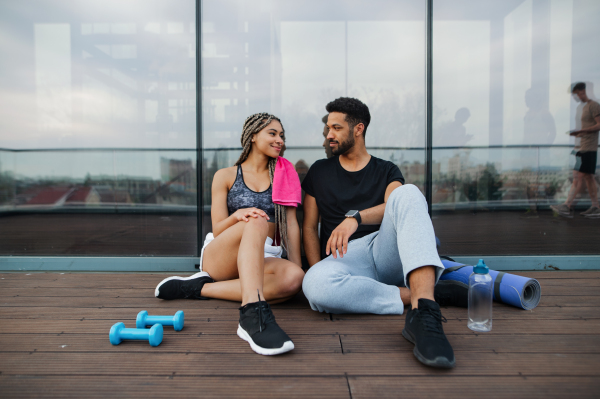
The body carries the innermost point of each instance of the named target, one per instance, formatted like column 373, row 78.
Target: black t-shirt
column 338, row 191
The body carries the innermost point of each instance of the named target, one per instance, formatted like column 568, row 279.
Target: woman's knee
column 257, row 225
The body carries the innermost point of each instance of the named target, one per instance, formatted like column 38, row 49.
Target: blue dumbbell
column 143, row 320
column 118, row 332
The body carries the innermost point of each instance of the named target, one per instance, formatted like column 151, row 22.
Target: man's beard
column 343, row 147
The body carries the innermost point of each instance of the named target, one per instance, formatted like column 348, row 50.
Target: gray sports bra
column 240, row 196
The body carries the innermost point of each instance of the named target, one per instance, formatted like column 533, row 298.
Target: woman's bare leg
column 282, row 280
column 251, row 259
column 230, row 255
column 220, row 256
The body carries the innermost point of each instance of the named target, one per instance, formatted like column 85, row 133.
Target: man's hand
column 339, row 237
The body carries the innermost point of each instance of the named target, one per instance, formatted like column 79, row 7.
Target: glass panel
column 502, row 76
column 98, row 128
column 291, row 58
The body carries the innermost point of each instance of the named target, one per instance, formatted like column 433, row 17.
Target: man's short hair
column 324, row 119
column 356, row 111
column 578, row 86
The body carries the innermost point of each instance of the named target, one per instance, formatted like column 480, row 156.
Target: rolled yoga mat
column 521, row 292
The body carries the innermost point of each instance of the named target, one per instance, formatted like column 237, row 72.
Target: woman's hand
column 244, row 213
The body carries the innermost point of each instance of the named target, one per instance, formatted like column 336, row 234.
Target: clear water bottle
column 480, row 298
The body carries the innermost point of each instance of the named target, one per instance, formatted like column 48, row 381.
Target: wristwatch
column 355, row 215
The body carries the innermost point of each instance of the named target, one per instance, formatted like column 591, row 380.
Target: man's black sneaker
column 258, row 327
column 423, row 328
column 183, row 287
column 451, row 293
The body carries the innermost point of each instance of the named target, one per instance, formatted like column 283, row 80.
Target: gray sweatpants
column 367, row 278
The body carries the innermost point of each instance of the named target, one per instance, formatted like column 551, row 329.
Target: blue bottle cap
column 481, row 268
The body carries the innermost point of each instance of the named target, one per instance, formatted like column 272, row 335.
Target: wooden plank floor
column 54, row 343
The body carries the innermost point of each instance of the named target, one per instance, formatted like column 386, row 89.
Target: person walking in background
column 586, row 156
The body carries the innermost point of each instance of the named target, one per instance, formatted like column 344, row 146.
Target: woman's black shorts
column 585, row 162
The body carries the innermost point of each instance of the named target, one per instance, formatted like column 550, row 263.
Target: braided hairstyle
column 254, row 124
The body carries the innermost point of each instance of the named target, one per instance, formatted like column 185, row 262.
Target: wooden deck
column 54, row 343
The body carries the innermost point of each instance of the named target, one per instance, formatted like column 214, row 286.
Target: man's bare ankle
column 415, row 301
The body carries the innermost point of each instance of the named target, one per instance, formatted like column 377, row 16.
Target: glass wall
column 502, row 75
column 98, row 150
column 98, row 128
column 291, row 58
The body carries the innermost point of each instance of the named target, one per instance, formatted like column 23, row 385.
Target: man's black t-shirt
column 338, row 191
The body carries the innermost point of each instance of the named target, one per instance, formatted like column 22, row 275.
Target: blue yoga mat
column 519, row 291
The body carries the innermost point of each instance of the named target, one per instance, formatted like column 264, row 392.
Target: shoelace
column 431, row 319
column 264, row 313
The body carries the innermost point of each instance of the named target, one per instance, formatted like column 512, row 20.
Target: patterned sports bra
column 240, row 196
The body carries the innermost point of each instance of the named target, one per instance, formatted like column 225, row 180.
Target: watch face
column 351, row 214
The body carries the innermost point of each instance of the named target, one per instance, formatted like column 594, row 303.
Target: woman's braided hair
column 254, row 124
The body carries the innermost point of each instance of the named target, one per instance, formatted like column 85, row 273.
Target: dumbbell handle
column 143, row 320
column 164, row 320
column 134, row 333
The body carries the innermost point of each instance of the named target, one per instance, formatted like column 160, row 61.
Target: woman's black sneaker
column 423, row 328
column 183, row 287
column 258, row 327
column 451, row 293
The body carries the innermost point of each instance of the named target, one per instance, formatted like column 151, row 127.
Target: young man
column 376, row 252
column 586, row 156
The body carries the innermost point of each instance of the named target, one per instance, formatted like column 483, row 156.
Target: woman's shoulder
column 226, row 176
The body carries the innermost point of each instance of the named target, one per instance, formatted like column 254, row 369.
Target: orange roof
column 49, row 196
column 79, row 195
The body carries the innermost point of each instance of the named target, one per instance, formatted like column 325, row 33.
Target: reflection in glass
column 291, row 58
column 80, row 82
column 95, row 202
column 502, row 75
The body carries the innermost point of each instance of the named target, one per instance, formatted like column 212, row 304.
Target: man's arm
column 310, row 230
column 587, row 130
column 342, row 233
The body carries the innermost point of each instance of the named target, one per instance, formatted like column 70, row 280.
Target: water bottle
column 480, row 298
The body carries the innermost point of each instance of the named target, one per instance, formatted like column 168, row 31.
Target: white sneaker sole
column 193, row 276
column 287, row 345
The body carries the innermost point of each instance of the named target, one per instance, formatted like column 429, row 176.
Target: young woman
column 240, row 263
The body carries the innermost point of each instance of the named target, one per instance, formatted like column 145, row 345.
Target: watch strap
column 357, row 217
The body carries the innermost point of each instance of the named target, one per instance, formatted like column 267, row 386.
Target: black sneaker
column 258, row 328
column 451, row 293
column 183, row 287
column 423, row 328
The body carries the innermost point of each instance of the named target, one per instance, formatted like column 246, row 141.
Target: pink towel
column 286, row 184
